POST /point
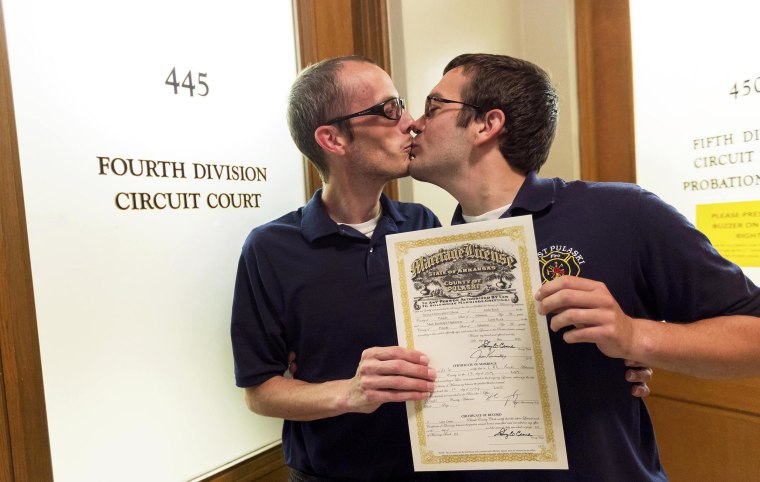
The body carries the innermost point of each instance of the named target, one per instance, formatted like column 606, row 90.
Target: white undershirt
column 367, row 227
column 495, row 214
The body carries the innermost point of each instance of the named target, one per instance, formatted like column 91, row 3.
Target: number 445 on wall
column 187, row 83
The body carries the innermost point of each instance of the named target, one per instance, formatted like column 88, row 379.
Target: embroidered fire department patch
column 556, row 261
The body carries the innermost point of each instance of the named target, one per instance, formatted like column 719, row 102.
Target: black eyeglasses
column 430, row 98
column 392, row 109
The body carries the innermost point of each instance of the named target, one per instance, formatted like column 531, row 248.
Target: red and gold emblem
column 558, row 263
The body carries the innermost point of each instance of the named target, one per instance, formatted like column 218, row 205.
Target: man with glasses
column 614, row 258
column 316, row 282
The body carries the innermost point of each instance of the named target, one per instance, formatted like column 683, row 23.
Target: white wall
column 133, row 305
column 426, row 34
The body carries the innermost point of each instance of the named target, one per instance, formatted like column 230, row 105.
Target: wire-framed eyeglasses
column 429, row 99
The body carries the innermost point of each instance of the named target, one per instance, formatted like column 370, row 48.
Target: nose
column 406, row 122
column 418, row 126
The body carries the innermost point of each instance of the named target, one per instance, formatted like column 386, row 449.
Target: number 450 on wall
column 187, row 83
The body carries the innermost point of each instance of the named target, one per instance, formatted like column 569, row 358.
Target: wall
column 426, row 34
column 133, row 299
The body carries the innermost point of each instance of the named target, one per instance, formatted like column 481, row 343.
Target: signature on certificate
column 507, row 432
column 492, row 349
column 498, row 397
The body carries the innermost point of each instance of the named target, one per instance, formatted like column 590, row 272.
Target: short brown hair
column 316, row 96
column 524, row 92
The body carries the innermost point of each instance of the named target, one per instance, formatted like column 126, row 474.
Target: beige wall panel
column 722, row 446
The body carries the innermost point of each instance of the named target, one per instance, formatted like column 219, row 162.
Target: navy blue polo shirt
column 322, row 290
column 657, row 266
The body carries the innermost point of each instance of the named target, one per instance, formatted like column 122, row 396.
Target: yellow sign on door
column 734, row 230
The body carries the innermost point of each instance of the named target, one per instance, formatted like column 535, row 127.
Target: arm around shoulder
column 689, row 280
column 717, row 348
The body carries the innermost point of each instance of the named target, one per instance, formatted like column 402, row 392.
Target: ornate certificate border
column 550, row 452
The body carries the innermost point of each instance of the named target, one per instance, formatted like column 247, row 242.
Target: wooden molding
column 740, row 395
column 605, row 90
column 24, row 442
column 6, row 460
column 699, row 442
column 268, row 466
column 370, row 31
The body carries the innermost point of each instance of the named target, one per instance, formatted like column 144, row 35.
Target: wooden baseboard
column 268, row 466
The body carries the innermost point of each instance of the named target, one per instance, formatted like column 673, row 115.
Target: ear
column 330, row 139
column 490, row 126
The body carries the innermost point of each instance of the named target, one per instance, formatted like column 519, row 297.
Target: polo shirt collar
column 390, row 209
column 316, row 223
column 535, row 195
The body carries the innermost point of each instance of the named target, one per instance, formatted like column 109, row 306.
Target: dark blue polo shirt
column 657, row 266
column 308, row 285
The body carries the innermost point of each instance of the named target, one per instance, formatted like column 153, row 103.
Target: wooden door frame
column 24, row 442
column 605, row 90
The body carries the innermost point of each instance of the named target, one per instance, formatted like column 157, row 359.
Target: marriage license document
column 464, row 296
